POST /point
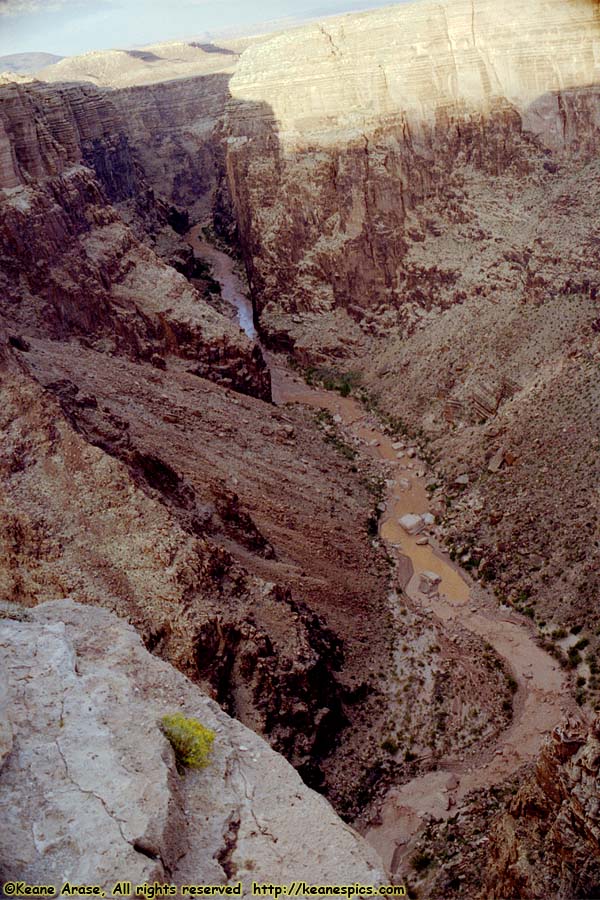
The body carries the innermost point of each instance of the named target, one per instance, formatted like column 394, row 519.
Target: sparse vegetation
column 342, row 382
column 191, row 740
column 325, row 421
column 421, row 861
column 390, row 745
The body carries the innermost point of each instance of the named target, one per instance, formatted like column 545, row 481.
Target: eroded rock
column 90, row 788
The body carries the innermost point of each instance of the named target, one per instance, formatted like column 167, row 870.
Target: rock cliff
column 547, row 843
column 416, row 202
column 69, row 262
column 91, row 793
column 376, row 115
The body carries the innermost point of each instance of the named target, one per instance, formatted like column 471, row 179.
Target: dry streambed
column 542, row 697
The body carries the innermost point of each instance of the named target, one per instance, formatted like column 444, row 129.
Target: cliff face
column 90, row 785
column 378, row 114
column 176, row 131
column 547, row 843
column 69, row 263
column 416, row 201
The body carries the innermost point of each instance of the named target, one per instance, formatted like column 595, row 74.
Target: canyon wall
column 70, row 263
column 175, row 128
column 378, row 113
column 547, row 842
column 417, row 201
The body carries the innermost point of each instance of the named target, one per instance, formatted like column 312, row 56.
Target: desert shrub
column 421, row 861
column 512, row 684
column 390, row 745
column 191, row 740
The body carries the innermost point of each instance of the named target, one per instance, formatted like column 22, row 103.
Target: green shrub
column 191, row 741
column 421, row 861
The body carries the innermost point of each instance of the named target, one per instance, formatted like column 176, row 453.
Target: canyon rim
column 299, row 405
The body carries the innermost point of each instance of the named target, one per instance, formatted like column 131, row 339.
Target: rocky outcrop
column 548, row 841
column 169, row 99
column 90, row 788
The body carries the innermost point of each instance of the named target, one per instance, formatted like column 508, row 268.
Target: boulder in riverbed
column 429, row 583
column 412, row 523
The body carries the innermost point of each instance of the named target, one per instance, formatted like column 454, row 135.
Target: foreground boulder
column 90, row 789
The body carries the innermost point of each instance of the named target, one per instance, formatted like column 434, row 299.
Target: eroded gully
column 542, row 697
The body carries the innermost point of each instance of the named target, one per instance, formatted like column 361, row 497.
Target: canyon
column 259, row 301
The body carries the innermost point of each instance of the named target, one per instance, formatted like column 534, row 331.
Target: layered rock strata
column 547, row 843
column 69, row 263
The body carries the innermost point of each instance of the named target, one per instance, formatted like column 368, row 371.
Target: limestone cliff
column 91, row 792
column 332, row 162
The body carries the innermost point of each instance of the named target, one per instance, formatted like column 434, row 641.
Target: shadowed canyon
column 299, row 403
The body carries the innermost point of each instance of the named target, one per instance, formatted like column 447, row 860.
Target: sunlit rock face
column 340, row 132
column 419, row 60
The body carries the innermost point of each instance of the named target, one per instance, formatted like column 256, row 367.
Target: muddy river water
column 542, row 697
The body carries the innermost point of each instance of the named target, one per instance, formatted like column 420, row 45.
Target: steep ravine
column 542, row 695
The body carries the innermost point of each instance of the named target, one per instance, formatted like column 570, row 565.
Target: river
column 542, row 698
